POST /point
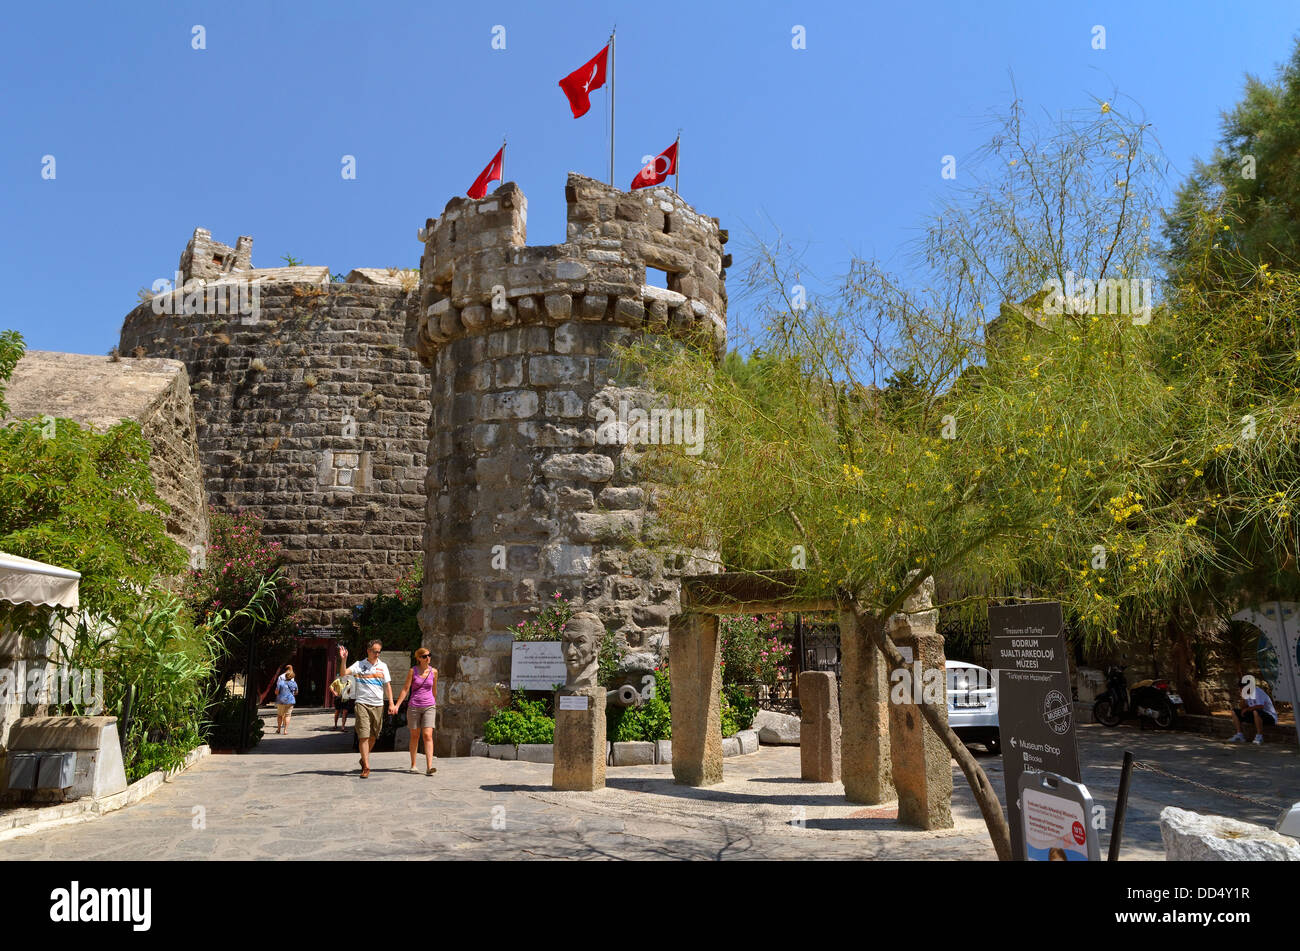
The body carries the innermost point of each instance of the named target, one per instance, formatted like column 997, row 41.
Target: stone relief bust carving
column 582, row 636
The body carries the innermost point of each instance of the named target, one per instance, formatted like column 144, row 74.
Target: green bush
column 151, row 757
column 751, row 651
column 607, row 662
column 239, row 562
column 164, row 662
column 84, row 500
column 738, row 710
column 549, row 623
column 392, row 618
column 221, row 729
column 650, row 721
column 524, row 721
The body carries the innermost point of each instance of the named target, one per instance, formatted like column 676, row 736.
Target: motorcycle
column 1156, row 699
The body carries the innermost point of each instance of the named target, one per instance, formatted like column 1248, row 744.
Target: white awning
column 23, row 581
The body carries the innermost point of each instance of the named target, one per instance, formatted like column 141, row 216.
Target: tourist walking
column 341, row 690
column 422, row 685
column 372, row 683
column 286, row 695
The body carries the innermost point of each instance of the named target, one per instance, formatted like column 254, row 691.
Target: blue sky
column 839, row 144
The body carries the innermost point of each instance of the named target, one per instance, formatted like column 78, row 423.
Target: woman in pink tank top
column 422, row 685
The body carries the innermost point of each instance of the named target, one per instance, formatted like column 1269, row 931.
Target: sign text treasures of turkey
column 1035, row 710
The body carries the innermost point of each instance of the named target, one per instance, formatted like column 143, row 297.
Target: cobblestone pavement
column 301, row 796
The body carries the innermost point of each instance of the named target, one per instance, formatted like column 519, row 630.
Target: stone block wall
column 311, row 413
column 524, row 501
column 172, row 431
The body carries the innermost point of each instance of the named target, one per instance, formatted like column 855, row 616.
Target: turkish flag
column 665, row 164
column 579, row 83
column 490, row 174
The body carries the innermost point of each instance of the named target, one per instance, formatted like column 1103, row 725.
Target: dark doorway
column 311, row 676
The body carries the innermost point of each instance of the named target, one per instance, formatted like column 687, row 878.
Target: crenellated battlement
column 479, row 274
column 205, row 259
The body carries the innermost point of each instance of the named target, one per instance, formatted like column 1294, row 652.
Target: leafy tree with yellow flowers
column 1063, row 450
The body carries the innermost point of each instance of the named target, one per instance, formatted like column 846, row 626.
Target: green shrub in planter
column 151, row 757
column 738, row 710
column 524, row 721
column 650, row 721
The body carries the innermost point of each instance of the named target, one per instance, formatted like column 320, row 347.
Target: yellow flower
column 1105, row 107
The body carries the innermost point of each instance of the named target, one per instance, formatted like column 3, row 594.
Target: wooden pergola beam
column 769, row 592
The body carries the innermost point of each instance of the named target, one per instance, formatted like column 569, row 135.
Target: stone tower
column 311, row 411
column 206, row 259
column 524, row 501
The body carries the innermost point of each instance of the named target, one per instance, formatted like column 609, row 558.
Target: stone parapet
column 477, row 272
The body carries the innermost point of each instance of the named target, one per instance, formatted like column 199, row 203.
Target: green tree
column 1238, row 215
column 11, row 351
column 1010, row 452
column 240, row 563
column 83, row 500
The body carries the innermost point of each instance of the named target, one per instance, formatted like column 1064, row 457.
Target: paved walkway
column 301, row 796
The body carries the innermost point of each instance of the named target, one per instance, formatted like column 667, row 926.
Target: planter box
column 634, row 754
column 536, row 752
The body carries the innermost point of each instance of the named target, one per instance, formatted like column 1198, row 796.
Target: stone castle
column 310, row 413
column 453, row 414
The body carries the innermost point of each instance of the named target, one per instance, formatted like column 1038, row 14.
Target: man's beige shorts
column 369, row 720
column 283, row 709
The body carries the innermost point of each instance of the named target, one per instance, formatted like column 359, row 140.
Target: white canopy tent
column 24, row 581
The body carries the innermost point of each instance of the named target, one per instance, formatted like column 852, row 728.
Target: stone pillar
column 922, row 765
column 864, row 713
column 579, row 762
column 819, row 733
column 696, row 680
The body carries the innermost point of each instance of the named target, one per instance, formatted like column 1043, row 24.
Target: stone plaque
column 537, row 665
column 574, row 703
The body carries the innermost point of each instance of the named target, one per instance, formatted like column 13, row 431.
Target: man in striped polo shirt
column 373, row 683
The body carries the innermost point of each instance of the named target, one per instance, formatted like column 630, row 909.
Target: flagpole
column 611, row 104
column 677, row 176
column 503, row 160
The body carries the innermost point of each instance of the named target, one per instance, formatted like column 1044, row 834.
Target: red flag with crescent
column 490, row 174
column 664, row 164
column 579, row 83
